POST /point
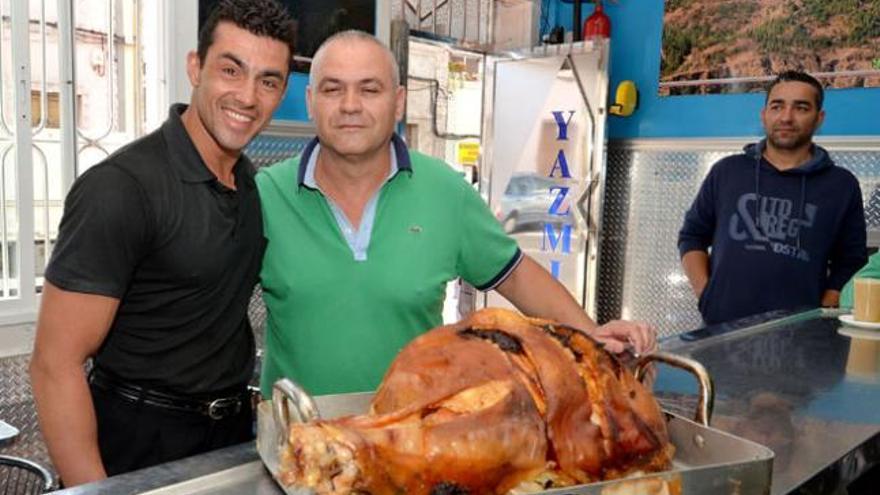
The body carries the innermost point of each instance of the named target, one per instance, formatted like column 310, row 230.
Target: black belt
column 216, row 409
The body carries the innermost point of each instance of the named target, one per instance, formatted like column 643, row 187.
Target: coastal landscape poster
column 735, row 46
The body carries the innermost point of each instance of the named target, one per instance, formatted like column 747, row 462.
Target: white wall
column 182, row 22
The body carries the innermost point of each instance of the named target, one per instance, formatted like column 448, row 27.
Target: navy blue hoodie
column 778, row 239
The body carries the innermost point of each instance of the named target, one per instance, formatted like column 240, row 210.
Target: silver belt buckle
column 217, row 407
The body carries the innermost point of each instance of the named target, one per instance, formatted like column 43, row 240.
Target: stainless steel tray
column 706, row 460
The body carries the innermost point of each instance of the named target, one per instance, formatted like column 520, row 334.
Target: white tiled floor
column 16, row 339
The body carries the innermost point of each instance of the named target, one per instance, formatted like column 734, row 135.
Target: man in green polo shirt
column 363, row 235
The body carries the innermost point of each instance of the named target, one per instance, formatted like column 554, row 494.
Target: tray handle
column 290, row 402
column 707, row 389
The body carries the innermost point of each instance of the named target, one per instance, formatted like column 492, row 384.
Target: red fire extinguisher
column 598, row 25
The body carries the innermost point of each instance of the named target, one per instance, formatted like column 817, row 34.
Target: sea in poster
column 735, row 46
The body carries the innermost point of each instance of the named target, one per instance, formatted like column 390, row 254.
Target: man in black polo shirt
column 157, row 255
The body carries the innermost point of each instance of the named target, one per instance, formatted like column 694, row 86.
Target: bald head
column 353, row 36
column 355, row 97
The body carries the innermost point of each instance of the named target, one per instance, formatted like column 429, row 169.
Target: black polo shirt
column 153, row 227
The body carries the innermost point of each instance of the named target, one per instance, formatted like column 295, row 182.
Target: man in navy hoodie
column 778, row 226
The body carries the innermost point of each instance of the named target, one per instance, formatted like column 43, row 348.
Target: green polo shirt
column 336, row 318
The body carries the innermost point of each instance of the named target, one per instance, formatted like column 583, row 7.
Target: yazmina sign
column 557, row 235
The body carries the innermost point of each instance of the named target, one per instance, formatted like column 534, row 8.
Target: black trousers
column 134, row 435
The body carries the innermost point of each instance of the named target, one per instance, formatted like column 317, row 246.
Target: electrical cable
column 435, row 89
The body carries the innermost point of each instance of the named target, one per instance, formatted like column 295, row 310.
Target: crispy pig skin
column 484, row 406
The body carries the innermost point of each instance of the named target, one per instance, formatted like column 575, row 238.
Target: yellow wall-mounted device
column 625, row 99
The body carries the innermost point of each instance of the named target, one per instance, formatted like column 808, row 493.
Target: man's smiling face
column 238, row 85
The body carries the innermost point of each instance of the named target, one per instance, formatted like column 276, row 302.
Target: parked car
column 525, row 204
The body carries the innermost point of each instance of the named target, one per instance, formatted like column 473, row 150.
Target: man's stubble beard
column 798, row 143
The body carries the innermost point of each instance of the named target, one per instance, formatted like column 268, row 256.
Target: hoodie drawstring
column 801, row 219
column 818, row 162
column 758, row 195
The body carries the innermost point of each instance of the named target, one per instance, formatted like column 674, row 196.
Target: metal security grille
column 466, row 21
column 648, row 190
column 73, row 88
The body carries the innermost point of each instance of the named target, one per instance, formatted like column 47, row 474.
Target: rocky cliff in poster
column 733, row 46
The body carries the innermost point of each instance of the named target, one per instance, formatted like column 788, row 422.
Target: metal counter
column 794, row 384
column 234, row 471
column 805, row 385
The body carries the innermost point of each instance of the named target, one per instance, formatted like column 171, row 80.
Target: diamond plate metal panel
column 647, row 193
column 14, row 381
column 17, row 409
column 257, row 317
column 29, row 443
column 267, row 149
column 614, row 235
column 866, row 167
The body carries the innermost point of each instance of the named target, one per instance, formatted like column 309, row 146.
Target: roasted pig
column 493, row 404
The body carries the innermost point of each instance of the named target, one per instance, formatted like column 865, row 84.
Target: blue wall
column 293, row 107
column 636, row 32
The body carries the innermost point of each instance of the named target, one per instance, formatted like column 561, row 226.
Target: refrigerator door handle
column 582, row 202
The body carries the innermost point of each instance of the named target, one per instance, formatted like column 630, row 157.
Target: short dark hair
column 258, row 17
column 798, row 76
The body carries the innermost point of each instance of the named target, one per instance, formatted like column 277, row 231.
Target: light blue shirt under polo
column 358, row 238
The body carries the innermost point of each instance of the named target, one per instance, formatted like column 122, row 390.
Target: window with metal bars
column 78, row 80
